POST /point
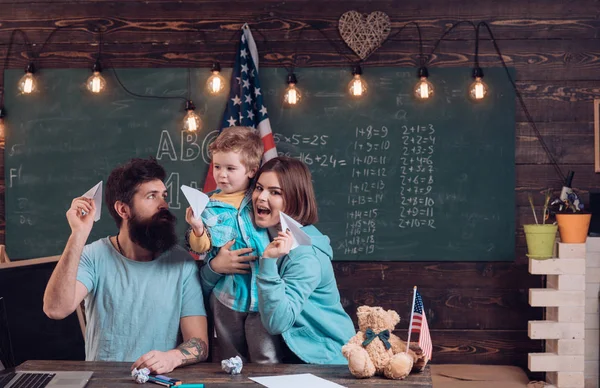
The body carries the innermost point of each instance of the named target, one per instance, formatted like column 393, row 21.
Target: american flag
column 419, row 325
column 245, row 104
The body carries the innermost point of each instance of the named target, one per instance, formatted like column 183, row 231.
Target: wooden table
column 117, row 374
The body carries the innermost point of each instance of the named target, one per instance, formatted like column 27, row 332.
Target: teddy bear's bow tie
column 384, row 336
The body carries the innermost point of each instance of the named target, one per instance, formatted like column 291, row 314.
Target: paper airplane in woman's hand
column 95, row 193
column 197, row 199
column 300, row 237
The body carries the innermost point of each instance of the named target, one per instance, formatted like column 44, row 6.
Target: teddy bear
column 374, row 350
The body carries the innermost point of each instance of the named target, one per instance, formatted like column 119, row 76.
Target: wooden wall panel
column 533, row 60
column 478, row 312
column 172, row 21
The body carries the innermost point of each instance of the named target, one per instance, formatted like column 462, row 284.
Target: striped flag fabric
column 245, row 105
column 419, row 325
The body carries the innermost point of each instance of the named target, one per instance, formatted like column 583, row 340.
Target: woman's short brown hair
column 295, row 180
column 243, row 140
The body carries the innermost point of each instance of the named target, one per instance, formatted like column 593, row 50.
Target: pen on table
column 164, row 379
column 191, row 386
column 168, row 379
column 158, row 381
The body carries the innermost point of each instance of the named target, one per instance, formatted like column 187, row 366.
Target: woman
column 298, row 295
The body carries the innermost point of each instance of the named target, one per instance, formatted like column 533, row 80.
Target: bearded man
column 140, row 288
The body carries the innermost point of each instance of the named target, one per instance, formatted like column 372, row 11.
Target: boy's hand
column 195, row 223
column 228, row 261
column 280, row 246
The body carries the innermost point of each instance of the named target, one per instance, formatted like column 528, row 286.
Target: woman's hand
column 228, row 261
column 280, row 246
column 195, row 223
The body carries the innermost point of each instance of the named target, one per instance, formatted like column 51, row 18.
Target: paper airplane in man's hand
column 300, row 237
column 95, row 193
column 197, row 199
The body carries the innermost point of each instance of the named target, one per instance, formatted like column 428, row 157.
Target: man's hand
column 280, row 246
column 81, row 215
column 159, row 362
column 228, row 261
column 195, row 223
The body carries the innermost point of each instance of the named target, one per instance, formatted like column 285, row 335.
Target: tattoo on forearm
column 193, row 350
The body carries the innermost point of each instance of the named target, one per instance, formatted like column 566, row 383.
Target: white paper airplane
column 300, row 237
column 95, row 193
column 197, row 199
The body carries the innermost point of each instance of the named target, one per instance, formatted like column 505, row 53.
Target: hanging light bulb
column 357, row 87
column 27, row 83
column 191, row 121
column 2, row 125
column 96, row 83
column 292, row 95
column 423, row 88
column 478, row 89
column 215, row 83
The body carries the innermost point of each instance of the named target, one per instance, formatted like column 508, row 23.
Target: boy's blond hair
column 244, row 140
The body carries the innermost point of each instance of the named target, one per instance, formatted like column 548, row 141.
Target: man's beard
column 156, row 234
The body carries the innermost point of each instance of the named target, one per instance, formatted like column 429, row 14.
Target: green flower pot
column 540, row 240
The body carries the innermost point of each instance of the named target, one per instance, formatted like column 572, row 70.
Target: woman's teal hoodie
column 299, row 299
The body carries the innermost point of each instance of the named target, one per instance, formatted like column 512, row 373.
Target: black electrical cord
column 522, row 102
column 290, row 69
column 30, row 54
column 421, row 56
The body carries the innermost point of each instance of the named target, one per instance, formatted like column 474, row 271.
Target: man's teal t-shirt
column 134, row 307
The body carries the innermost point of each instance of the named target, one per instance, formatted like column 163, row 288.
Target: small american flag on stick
column 418, row 324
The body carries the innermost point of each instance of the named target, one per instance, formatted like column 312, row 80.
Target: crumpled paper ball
column 232, row 365
column 140, row 376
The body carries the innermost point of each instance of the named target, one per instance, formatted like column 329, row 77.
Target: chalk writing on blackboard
column 416, row 177
column 367, row 182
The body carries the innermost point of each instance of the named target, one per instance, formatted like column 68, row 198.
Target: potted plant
column 540, row 236
column 573, row 221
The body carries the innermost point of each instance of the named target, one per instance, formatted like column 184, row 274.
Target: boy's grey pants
column 243, row 334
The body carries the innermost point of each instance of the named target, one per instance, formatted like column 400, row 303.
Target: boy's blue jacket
column 299, row 299
column 225, row 223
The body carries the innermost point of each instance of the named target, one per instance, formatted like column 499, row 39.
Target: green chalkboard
column 396, row 179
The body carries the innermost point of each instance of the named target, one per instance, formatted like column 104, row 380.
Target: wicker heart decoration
column 364, row 33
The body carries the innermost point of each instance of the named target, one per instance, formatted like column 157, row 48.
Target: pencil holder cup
column 540, row 240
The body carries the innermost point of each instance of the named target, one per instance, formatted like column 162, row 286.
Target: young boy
column 236, row 155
